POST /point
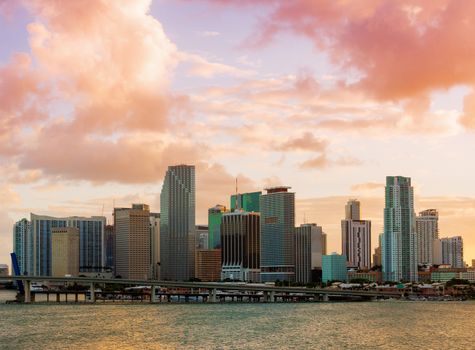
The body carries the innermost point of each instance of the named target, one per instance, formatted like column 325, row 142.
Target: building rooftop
column 277, row 189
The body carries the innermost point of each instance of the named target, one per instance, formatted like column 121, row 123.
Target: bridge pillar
column 272, row 297
column 153, row 297
column 92, row 293
column 325, row 297
column 212, row 296
column 27, row 292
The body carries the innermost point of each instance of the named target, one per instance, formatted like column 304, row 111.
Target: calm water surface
column 370, row 325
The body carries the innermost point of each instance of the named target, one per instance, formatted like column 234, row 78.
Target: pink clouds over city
column 98, row 97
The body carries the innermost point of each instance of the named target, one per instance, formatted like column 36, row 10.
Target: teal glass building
column 214, row 226
column 246, row 201
column 277, row 208
column 399, row 240
column 334, row 268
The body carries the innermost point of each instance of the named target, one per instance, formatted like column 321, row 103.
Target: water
column 370, row 325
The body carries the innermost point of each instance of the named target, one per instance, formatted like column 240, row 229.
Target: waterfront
column 429, row 325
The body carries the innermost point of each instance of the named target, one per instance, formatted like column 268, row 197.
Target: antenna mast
column 236, row 197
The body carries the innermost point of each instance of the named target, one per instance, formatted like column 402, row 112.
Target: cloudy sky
column 98, row 97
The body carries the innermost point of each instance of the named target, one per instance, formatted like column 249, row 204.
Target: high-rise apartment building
column 208, row 265
column 240, row 250
column 308, row 251
column 427, row 230
column 65, row 251
column 356, row 237
column 132, row 242
column 399, row 242
column 177, row 223
column 22, row 245
column 352, row 210
column 277, row 208
column 246, row 201
column 155, row 245
column 214, row 225
column 449, row 251
column 91, row 242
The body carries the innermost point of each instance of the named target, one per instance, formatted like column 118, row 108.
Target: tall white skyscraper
column 427, row 230
column 177, row 223
column 22, row 245
column 356, row 237
column 399, row 241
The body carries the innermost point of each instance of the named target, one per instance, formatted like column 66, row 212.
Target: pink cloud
column 402, row 49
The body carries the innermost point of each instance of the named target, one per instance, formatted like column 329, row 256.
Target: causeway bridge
column 212, row 289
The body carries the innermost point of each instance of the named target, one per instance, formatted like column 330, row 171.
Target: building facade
column 352, row 210
column 334, row 268
column 208, row 265
column 246, row 201
column 132, row 242
column 109, row 242
column 22, row 245
column 449, row 251
column 214, row 226
column 356, row 237
column 308, row 251
column 177, row 223
column 240, row 251
column 155, row 245
column 399, row 241
column 65, row 251
column 91, row 242
column 202, row 234
column 427, row 230
column 277, row 208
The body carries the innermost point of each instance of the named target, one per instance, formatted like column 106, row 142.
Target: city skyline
column 217, row 86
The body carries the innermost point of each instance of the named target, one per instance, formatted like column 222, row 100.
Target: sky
column 329, row 97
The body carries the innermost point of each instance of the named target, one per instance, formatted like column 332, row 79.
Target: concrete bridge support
column 212, row 296
column 92, row 293
column 153, row 297
column 325, row 297
column 27, row 286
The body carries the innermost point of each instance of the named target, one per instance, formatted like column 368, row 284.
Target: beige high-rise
column 132, row 234
column 65, row 251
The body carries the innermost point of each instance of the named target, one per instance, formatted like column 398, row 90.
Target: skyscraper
column 208, row 264
column 214, row 225
column 22, row 245
column 334, row 268
column 308, row 251
column 240, row 250
column 177, row 223
column 132, row 242
column 399, row 245
column 352, row 210
column 277, row 230
column 65, row 251
column 246, row 201
column 427, row 230
column 356, row 237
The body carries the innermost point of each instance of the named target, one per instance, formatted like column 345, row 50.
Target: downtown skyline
column 216, row 86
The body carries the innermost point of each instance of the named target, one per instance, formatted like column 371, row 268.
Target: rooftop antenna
column 236, row 197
